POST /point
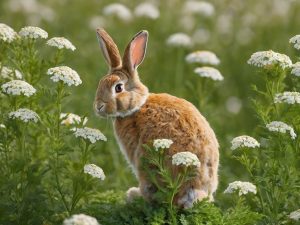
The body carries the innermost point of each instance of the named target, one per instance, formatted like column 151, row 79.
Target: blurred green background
column 233, row 29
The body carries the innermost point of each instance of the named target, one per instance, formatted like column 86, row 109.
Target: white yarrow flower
column 287, row 97
column 162, row 143
column 295, row 215
column 204, row 57
column 242, row 187
column 60, row 43
column 94, row 171
column 90, row 134
column 33, row 32
column 25, row 115
column 296, row 41
column 7, row 34
column 296, row 69
column 80, row 219
column 118, row 10
column 71, row 118
column 199, row 7
column 244, row 141
column 269, row 58
column 179, row 40
column 64, row 74
column 278, row 126
column 18, row 87
column 209, row 72
column 147, row 10
column 8, row 73
column 185, row 159
column 2, row 126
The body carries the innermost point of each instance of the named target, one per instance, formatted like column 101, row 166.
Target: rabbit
column 140, row 116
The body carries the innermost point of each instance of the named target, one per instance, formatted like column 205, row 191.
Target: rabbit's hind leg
column 133, row 193
column 191, row 196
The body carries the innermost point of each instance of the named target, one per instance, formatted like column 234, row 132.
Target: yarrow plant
column 80, row 219
column 199, row 7
column 25, row 115
column 179, row 40
column 7, row 34
column 94, row 171
column 296, row 69
column 162, row 143
column 61, row 43
column 274, row 181
column 244, row 141
column 295, row 215
column 18, row 87
column 209, row 72
column 185, row 159
column 203, row 57
column 243, row 188
column 36, row 134
column 281, row 127
column 8, row 73
column 287, row 97
column 267, row 59
column 296, row 41
column 65, row 74
column 119, row 10
column 33, row 33
column 90, row 134
column 146, row 10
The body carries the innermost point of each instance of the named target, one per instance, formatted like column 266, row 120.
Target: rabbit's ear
column 109, row 49
column 135, row 51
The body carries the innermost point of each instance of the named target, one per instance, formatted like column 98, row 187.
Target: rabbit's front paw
column 192, row 195
column 133, row 193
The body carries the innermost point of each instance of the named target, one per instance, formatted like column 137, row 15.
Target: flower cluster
column 203, row 57
column 94, row 171
column 7, row 34
column 287, row 97
column 295, row 215
column 296, row 41
column 25, row 115
column 118, row 10
column 185, row 159
column 80, row 219
column 33, row 32
column 278, row 126
column 209, row 72
column 179, row 40
column 60, row 43
column 269, row 58
column 70, row 118
column 18, row 87
column 296, row 69
column 8, row 73
column 162, row 143
column 199, row 7
column 244, row 141
column 2, row 126
column 243, row 188
column 64, row 74
column 147, row 10
column 90, row 134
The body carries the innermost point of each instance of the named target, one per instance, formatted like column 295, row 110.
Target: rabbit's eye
column 119, row 88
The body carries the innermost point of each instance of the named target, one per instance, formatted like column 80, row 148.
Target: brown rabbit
column 140, row 117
